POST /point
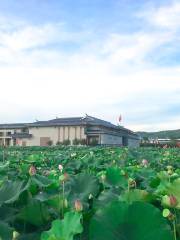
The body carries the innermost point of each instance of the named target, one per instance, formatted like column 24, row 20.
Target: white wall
column 55, row 134
column 39, row 132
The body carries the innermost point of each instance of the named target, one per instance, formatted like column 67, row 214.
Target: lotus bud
column 169, row 167
column 64, row 177
column 169, row 201
column 131, row 182
column 103, row 177
column 173, row 201
column 123, row 173
column 167, row 214
column 169, row 170
column 78, row 206
column 15, row 235
column 73, row 154
column 60, row 167
column 32, row 170
column 90, row 196
column 91, row 153
column 145, row 162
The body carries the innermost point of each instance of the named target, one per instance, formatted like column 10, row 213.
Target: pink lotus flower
column 145, row 162
column 32, row 170
column 169, row 201
column 173, row 200
column 78, row 206
column 60, row 167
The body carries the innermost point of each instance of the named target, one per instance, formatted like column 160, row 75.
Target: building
column 85, row 129
column 164, row 140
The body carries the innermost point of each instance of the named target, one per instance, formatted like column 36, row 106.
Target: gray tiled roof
column 58, row 122
column 79, row 121
column 12, row 125
column 73, row 121
column 88, row 120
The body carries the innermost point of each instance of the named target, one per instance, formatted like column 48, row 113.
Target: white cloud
column 29, row 37
column 103, row 77
column 135, row 47
column 167, row 16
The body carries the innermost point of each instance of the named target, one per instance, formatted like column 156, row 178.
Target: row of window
column 2, row 134
column 23, row 130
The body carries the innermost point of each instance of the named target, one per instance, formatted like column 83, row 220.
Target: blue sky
column 105, row 58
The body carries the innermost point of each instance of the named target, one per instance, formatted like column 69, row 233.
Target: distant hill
column 172, row 134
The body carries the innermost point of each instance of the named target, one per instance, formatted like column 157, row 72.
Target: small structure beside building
column 88, row 130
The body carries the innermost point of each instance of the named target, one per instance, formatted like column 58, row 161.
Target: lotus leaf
column 64, row 229
column 137, row 221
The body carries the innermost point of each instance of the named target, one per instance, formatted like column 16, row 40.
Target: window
column 1, row 134
column 25, row 130
column 8, row 133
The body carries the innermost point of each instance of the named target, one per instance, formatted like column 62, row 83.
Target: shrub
column 79, row 141
column 76, row 141
column 93, row 142
column 66, row 142
column 50, row 143
column 83, row 141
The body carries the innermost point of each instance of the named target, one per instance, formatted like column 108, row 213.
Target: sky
column 104, row 58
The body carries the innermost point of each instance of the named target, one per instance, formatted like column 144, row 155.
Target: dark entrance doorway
column 93, row 140
column 125, row 141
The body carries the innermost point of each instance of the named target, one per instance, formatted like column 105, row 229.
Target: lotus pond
column 89, row 193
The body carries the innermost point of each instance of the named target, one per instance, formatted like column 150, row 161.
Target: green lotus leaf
column 106, row 197
column 114, row 177
column 34, row 213
column 10, row 190
column 6, row 232
column 24, row 168
column 64, row 229
column 30, row 236
column 33, row 158
column 56, row 202
column 1, row 156
column 43, row 196
column 4, row 167
column 137, row 221
column 81, row 186
column 7, row 213
column 41, row 181
column 136, row 195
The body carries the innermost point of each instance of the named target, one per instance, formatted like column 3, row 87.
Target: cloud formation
column 48, row 70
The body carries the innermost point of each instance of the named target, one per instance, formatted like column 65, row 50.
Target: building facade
column 88, row 130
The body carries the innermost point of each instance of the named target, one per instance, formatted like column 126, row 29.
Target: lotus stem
column 63, row 199
column 174, row 229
